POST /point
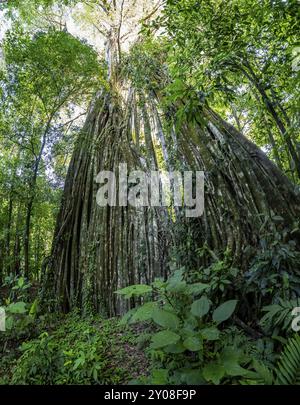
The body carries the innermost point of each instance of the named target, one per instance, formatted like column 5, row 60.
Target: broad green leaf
column 143, row 313
column 21, row 282
column 191, row 376
column 230, row 359
column 165, row 319
column 17, row 308
column 135, row 290
column 164, row 338
column 197, row 288
column 179, row 286
column 213, row 372
column 177, row 276
column 193, row 344
column 175, row 282
column 190, row 322
column 224, row 311
column 126, row 318
column 200, row 307
column 175, row 349
column 159, row 284
column 211, row 333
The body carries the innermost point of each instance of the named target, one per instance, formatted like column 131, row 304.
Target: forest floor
column 70, row 349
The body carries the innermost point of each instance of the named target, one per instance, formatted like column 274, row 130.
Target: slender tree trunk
column 8, row 236
column 27, row 237
column 30, row 203
column 17, row 244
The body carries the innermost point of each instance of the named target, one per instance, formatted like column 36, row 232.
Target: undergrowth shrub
column 196, row 336
column 191, row 344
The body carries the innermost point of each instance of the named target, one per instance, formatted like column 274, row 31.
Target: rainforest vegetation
column 147, row 295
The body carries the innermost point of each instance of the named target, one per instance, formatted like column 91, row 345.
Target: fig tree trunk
column 97, row 250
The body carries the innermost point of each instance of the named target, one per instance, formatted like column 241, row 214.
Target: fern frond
column 288, row 371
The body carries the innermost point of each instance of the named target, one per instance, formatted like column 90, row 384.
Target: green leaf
column 126, row 318
column 193, row 343
column 177, row 276
column 197, row 288
column 159, row 284
column 159, row 376
column 165, row 319
column 211, row 333
column 17, row 308
column 175, row 282
column 164, row 338
column 263, row 372
column 224, row 311
column 21, row 282
column 143, row 313
column 175, row 349
column 230, row 359
column 95, row 374
column 213, row 372
column 190, row 322
column 34, row 308
column 78, row 362
column 200, row 307
column 179, row 286
column 9, row 323
column 191, row 376
column 135, row 290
